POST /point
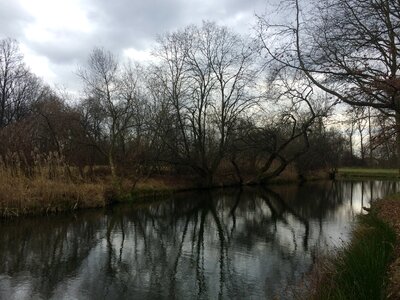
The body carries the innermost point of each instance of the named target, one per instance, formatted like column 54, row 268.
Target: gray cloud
column 66, row 49
column 137, row 23
column 122, row 24
column 13, row 18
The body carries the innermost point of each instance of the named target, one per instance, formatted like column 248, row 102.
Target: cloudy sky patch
column 56, row 36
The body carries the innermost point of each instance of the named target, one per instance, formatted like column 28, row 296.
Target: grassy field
column 368, row 173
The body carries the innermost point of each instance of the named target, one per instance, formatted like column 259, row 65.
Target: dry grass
column 45, row 185
column 166, row 183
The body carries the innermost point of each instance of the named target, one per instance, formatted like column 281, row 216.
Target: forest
column 291, row 101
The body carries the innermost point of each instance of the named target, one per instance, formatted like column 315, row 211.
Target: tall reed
column 43, row 183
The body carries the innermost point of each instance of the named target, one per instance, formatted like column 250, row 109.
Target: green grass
column 359, row 271
column 368, row 172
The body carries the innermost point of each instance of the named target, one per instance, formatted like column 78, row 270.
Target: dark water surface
column 231, row 244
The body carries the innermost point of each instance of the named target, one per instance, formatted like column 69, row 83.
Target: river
column 252, row 243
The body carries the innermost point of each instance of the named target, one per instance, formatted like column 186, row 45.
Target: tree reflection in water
column 216, row 244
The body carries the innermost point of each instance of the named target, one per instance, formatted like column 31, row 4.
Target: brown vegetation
column 389, row 210
column 47, row 186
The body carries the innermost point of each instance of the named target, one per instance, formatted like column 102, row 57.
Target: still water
column 230, row 244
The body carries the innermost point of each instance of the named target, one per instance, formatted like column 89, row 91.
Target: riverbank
column 51, row 191
column 367, row 173
column 21, row 195
column 369, row 267
column 57, row 188
column 389, row 210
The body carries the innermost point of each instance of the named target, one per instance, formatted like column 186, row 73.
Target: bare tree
column 207, row 75
column 383, row 139
column 18, row 86
column 281, row 137
column 347, row 48
column 112, row 98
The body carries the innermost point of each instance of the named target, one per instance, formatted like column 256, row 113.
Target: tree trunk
column 112, row 164
column 237, row 171
column 370, row 137
column 362, row 149
column 351, row 143
column 398, row 139
column 209, row 180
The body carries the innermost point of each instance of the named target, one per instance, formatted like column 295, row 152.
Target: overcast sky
column 56, row 36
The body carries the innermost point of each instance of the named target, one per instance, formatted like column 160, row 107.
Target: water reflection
column 233, row 244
